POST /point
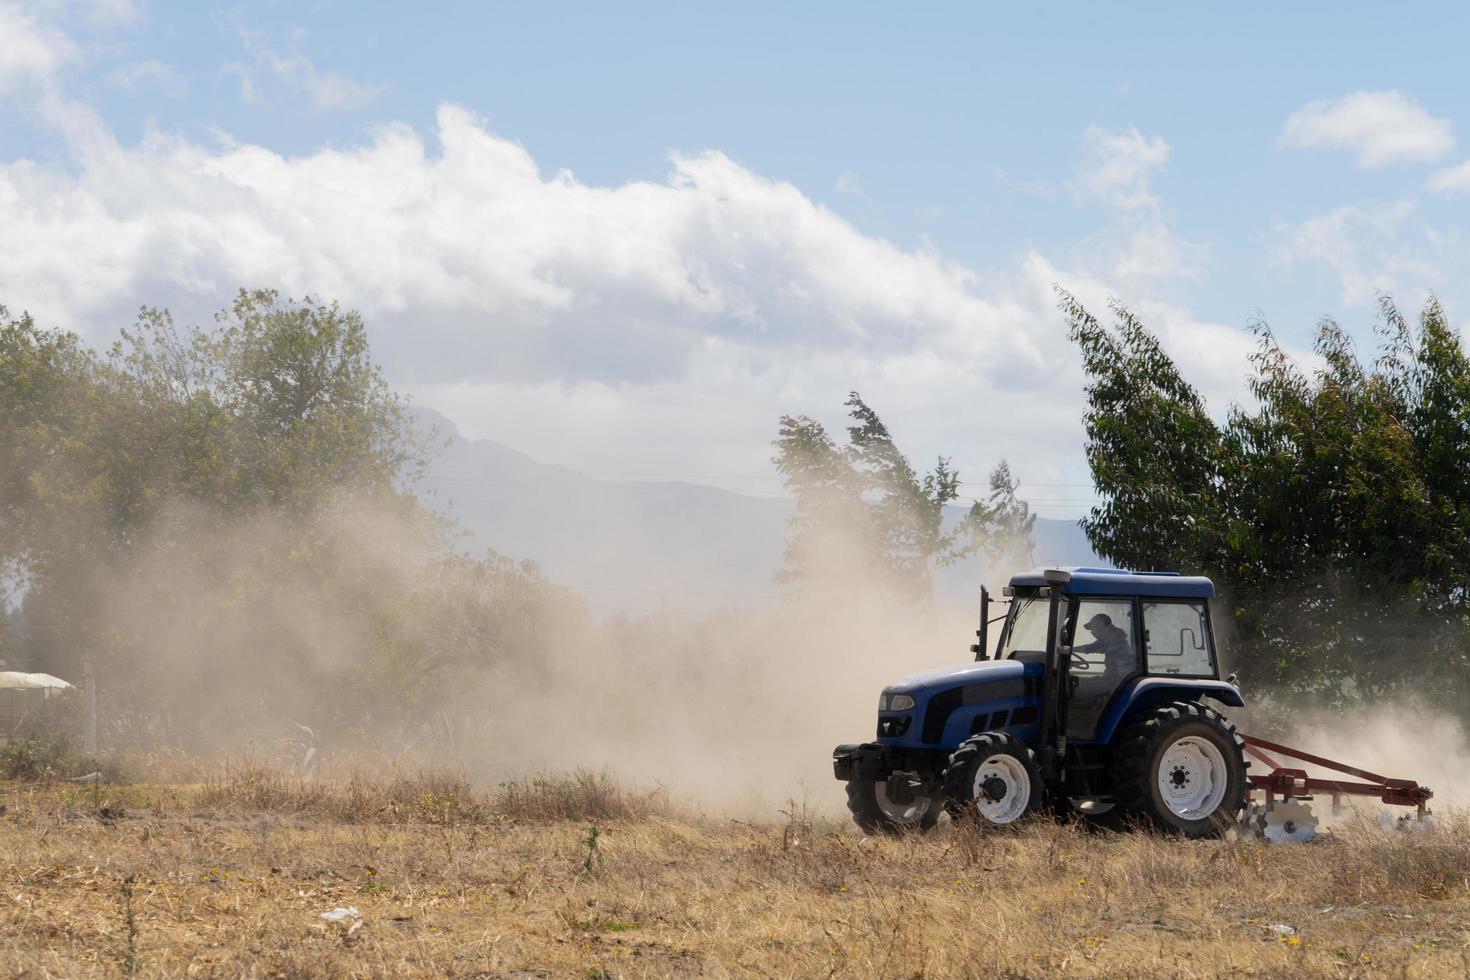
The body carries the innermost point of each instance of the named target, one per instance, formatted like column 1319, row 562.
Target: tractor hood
column 982, row 672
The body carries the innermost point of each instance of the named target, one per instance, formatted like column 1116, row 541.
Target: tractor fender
column 1150, row 692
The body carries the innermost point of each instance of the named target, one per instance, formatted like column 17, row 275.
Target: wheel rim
column 1002, row 789
column 901, row 814
column 1193, row 777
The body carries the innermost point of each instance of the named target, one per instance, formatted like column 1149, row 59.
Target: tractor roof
column 1119, row 581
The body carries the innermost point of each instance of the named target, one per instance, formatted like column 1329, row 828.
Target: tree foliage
column 1334, row 511
column 221, row 520
column 865, row 518
column 1002, row 525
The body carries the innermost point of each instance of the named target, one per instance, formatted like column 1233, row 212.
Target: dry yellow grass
column 230, row 879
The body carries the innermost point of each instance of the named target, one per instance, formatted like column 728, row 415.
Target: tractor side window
column 1102, row 642
column 1177, row 639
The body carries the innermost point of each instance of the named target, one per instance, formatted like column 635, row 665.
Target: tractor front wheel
column 1182, row 768
column 875, row 813
column 993, row 778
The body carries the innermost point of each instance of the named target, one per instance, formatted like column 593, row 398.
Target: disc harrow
column 1282, row 814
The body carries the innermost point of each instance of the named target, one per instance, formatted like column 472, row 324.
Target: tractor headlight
column 895, row 702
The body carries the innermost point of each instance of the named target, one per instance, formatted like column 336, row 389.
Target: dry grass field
column 230, row 878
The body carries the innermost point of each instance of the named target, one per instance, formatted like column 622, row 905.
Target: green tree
column 221, row 519
column 1152, row 447
column 865, row 518
column 1003, row 525
column 1331, row 511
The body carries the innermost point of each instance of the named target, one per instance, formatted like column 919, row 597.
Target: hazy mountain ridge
column 636, row 545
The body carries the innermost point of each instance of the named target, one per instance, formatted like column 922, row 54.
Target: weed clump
column 432, row 796
column 426, row 796
column 581, row 795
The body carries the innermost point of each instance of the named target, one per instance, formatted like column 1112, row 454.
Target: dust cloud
column 361, row 636
column 738, row 711
column 364, row 638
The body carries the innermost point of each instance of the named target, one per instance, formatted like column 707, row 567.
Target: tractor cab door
column 1104, row 640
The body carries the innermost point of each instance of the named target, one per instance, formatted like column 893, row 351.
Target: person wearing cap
column 1108, row 640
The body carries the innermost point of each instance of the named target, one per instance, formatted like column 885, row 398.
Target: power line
column 672, row 486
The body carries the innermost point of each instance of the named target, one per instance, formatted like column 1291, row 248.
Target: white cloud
column 30, row 51
column 1139, row 250
column 327, row 90
column 847, row 183
column 1373, row 249
column 655, row 327
column 1117, row 167
column 149, row 76
column 1451, row 179
column 1380, row 127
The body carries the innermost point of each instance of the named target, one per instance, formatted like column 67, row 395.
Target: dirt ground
column 232, row 880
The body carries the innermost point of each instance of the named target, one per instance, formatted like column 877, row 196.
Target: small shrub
column 36, row 757
column 581, row 795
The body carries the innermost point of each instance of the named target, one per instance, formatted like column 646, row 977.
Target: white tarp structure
column 20, row 692
column 13, row 679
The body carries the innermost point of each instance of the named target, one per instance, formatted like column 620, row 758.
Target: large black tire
column 1200, row 794
column 871, row 811
column 993, row 779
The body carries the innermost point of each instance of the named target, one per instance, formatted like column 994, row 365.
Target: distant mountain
column 634, row 546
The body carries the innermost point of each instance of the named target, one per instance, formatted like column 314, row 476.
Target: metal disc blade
column 1251, row 825
column 1289, row 822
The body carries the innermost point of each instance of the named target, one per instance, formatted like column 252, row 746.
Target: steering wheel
column 1080, row 661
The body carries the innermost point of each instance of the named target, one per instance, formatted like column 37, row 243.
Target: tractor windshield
column 1026, row 632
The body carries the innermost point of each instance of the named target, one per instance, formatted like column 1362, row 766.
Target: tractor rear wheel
column 1182, row 768
column 993, row 778
column 875, row 813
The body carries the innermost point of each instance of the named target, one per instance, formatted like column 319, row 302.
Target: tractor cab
column 1113, row 630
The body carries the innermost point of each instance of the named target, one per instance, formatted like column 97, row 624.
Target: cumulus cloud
column 556, row 276
column 326, row 90
column 1380, row 127
column 30, row 51
column 654, row 327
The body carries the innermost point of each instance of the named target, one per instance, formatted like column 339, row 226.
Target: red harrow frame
column 1287, row 783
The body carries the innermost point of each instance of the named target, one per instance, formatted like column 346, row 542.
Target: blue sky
column 872, row 197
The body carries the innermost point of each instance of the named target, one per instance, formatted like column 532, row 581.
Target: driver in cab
column 1114, row 645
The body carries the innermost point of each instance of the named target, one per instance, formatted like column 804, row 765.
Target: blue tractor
column 1093, row 705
